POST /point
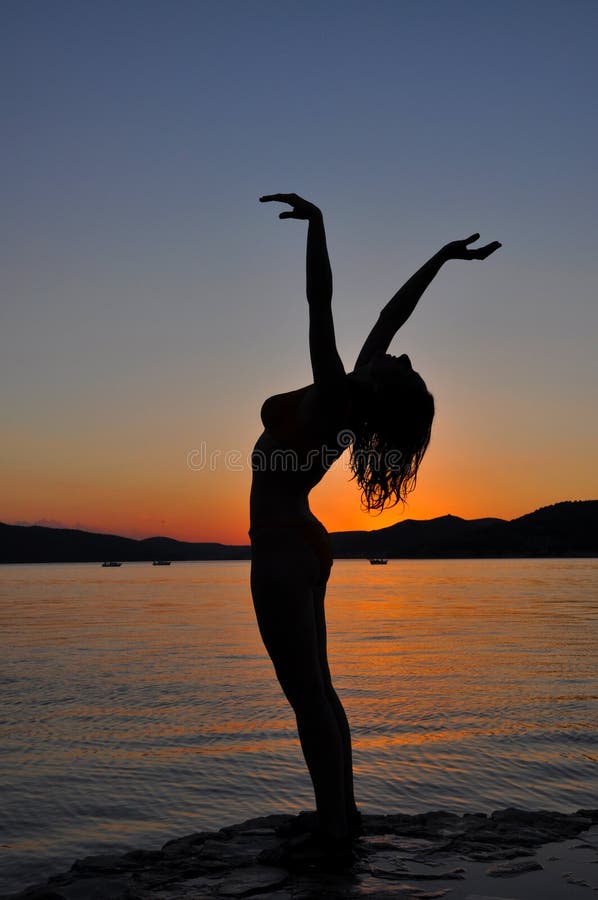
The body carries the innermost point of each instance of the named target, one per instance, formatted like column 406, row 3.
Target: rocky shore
column 509, row 854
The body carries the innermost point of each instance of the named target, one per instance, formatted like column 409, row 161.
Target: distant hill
column 564, row 529
column 36, row 543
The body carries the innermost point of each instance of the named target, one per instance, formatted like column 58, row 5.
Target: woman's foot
column 308, row 821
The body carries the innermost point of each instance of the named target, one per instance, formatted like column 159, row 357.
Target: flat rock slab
column 375, row 890
column 410, row 848
column 386, row 866
column 516, row 867
column 86, row 889
column 240, row 850
column 486, row 897
column 97, row 889
column 275, row 895
column 192, row 889
column 251, row 880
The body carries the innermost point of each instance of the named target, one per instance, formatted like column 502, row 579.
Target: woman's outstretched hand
column 302, row 209
column 460, row 250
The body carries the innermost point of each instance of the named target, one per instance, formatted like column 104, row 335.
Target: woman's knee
column 307, row 698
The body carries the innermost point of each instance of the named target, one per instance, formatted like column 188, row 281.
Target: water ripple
column 136, row 708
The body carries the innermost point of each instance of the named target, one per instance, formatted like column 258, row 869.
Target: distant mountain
column 36, row 543
column 564, row 529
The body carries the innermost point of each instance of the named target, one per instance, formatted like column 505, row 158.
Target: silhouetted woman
column 385, row 411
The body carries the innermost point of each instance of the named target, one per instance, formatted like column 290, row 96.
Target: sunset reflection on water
column 139, row 703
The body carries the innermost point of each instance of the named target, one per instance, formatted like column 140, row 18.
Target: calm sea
column 138, row 703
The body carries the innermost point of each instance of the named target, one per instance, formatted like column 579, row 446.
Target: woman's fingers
column 302, row 209
column 280, row 198
column 461, row 250
column 483, row 252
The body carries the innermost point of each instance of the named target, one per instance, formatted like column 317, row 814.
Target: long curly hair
column 390, row 443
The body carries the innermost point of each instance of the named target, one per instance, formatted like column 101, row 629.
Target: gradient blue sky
column 151, row 304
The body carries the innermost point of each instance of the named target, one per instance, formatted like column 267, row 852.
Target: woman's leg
column 339, row 711
column 282, row 583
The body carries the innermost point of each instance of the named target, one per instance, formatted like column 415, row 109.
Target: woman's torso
column 291, row 456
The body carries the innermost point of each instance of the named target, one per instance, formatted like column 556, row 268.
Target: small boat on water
column 378, row 561
column 111, row 564
column 161, row 562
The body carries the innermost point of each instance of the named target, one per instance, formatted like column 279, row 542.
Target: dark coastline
column 567, row 529
column 410, row 856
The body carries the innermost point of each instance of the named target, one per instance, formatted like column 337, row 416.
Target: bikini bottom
column 312, row 532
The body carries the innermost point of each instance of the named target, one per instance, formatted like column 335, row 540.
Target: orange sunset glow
column 156, row 492
column 152, row 304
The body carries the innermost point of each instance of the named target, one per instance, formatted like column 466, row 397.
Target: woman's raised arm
column 326, row 363
column 399, row 308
